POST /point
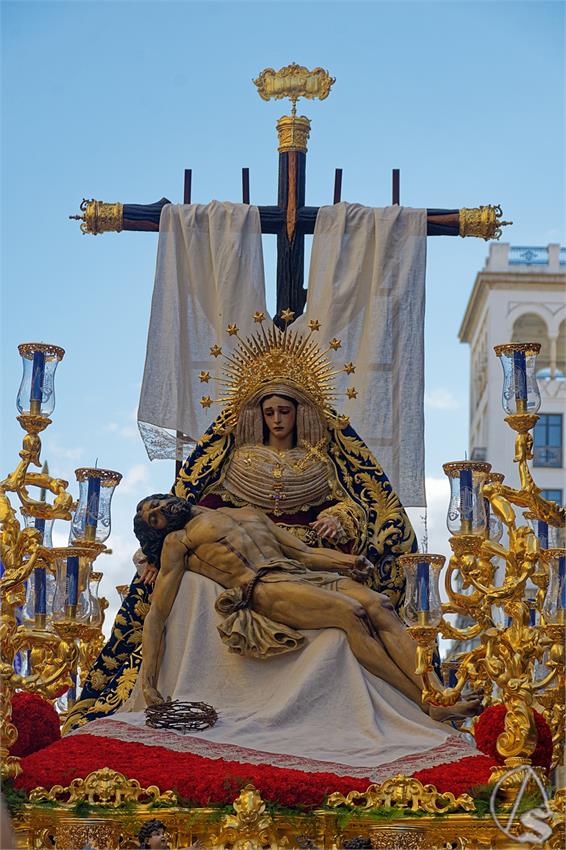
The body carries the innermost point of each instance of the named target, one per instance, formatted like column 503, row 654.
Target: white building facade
column 519, row 296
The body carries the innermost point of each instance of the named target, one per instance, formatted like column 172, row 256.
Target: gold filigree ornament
column 100, row 217
column 266, row 356
column 251, row 827
column 294, row 81
column 403, row 792
column 103, row 787
column 482, row 221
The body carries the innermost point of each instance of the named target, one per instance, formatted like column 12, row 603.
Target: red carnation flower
column 37, row 723
column 491, row 724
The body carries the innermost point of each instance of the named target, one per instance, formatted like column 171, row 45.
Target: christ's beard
column 177, row 513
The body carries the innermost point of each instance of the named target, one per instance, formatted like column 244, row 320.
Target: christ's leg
column 306, row 607
column 402, row 648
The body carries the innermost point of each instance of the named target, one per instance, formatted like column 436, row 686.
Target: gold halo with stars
column 270, row 355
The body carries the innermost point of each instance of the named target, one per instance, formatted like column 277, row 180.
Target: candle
column 72, row 583
column 92, row 501
column 520, row 380
column 466, row 496
column 487, row 508
column 422, row 586
column 37, row 373
column 40, row 591
column 562, row 582
column 542, row 533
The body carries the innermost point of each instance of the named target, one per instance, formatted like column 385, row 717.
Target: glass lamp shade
column 422, row 594
column 493, row 524
column 520, row 388
column 44, row 526
column 91, row 521
column 72, row 600
column 96, row 614
column 549, row 536
column 554, row 606
column 36, row 395
column 466, row 511
column 40, row 586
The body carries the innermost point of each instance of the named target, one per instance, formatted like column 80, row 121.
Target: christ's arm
column 316, row 559
column 173, row 565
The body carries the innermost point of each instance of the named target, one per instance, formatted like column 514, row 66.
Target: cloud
column 129, row 432
column 135, row 480
column 438, row 497
column 66, row 452
column 441, row 399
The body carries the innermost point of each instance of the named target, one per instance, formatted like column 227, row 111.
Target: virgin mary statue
column 280, row 446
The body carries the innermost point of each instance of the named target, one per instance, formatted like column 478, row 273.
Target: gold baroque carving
column 103, row 787
column 100, row 217
column 294, row 81
column 405, row 793
column 482, row 221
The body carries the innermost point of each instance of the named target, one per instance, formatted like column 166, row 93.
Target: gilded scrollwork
column 103, row 787
column 403, row 792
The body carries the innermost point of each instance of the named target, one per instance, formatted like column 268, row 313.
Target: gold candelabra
column 509, row 597
column 49, row 626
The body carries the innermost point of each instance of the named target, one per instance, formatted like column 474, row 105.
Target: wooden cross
column 291, row 220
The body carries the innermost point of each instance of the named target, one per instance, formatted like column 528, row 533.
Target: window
column 548, row 440
column 552, row 495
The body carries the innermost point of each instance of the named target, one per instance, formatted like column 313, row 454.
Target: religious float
column 169, row 775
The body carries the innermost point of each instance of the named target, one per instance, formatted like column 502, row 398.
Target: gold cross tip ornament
column 294, row 81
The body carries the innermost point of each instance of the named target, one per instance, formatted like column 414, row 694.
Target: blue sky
column 113, row 100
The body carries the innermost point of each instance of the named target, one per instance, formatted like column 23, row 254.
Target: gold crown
column 276, row 355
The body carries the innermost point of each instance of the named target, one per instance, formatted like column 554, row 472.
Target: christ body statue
column 269, row 574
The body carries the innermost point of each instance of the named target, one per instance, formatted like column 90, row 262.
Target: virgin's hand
column 149, row 574
column 328, row 527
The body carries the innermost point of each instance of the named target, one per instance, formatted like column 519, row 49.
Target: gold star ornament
column 216, row 351
column 287, row 315
column 335, row 344
column 314, row 325
column 349, row 368
column 204, row 377
column 206, row 401
column 258, row 316
column 232, row 330
column 352, row 392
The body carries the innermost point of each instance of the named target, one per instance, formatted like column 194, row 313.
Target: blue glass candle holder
column 422, row 593
column 549, row 536
column 40, row 586
column 466, row 511
column 96, row 617
column 520, row 389
column 554, row 606
column 493, row 524
column 91, row 521
column 72, row 600
column 36, row 395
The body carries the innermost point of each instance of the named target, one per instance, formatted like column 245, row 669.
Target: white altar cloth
column 315, row 709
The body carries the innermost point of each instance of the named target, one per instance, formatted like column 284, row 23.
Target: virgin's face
column 279, row 415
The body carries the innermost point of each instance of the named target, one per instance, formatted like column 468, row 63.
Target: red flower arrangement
column 37, row 723
column 203, row 781
column 491, row 724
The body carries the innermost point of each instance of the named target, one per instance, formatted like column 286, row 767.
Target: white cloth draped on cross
column 366, row 286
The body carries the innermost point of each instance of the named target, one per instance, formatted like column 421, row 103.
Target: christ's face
column 279, row 415
column 151, row 512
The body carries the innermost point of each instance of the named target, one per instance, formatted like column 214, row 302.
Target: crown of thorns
column 183, row 716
